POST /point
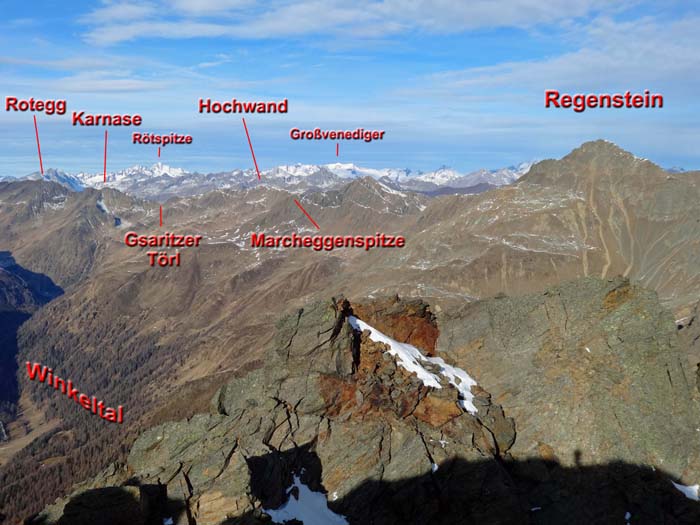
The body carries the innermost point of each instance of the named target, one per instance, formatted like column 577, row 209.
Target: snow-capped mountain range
column 160, row 181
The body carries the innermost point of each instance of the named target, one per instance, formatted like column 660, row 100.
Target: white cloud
column 106, row 81
column 221, row 59
column 23, row 22
column 123, row 21
column 612, row 56
column 451, row 16
column 115, row 12
column 317, row 17
column 209, row 7
column 63, row 64
column 115, row 33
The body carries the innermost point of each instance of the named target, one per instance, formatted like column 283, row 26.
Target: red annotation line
column 161, row 215
column 337, row 148
column 307, row 214
column 38, row 146
column 105, row 160
column 251, row 148
column 158, row 151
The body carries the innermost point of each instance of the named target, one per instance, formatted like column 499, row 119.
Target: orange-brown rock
column 618, row 296
column 436, row 411
column 407, row 321
column 546, row 452
column 339, row 394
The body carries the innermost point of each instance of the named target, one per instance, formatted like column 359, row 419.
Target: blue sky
column 451, row 83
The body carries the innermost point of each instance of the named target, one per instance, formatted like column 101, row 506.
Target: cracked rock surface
column 591, row 370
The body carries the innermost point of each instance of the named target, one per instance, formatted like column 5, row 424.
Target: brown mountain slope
column 599, row 211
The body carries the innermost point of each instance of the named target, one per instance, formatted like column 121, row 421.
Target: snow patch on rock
column 410, row 358
column 689, row 491
column 307, row 506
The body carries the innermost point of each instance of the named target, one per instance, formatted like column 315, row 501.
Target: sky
column 451, row 83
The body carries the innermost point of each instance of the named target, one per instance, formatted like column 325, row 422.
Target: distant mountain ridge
column 161, row 181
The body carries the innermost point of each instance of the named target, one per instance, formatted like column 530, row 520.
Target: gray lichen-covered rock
column 592, row 371
column 689, row 333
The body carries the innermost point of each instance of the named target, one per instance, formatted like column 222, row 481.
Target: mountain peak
column 54, row 175
column 592, row 159
column 599, row 146
column 602, row 149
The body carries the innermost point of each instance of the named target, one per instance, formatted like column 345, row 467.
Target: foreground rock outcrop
column 592, row 371
column 596, row 434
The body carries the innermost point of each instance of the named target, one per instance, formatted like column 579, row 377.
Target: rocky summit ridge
column 582, row 413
